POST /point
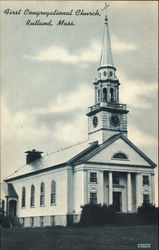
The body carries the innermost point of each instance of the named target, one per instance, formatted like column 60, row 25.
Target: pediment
column 121, row 151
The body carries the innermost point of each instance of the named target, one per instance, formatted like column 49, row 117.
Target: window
column 146, row 199
column 32, row 221
column 120, row 156
column 145, row 180
column 93, row 177
column 23, row 222
column 104, row 73
column 111, row 73
column 53, row 222
column 42, row 194
column 53, row 192
column 111, row 94
column 93, row 198
column 98, row 95
column 104, row 94
column 23, row 196
column 32, row 197
column 115, row 179
column 41, row 221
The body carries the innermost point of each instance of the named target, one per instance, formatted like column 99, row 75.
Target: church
column 106, row 169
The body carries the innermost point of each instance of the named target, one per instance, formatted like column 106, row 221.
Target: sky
column 47, row 74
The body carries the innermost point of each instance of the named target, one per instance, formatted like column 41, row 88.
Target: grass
column 78, row 238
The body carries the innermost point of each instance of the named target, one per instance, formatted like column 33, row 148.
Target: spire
column 106, row 55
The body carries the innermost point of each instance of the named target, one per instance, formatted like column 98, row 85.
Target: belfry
column 108, row 116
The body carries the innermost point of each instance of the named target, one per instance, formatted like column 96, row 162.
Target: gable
column 105, row 155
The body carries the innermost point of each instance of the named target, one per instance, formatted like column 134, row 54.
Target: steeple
column 107, row 117
column 106, row 54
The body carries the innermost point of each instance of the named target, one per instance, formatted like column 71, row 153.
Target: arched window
column 104, row 94
column 111, row 73
column 32, row 196
column 98, row 95
column 23, row 196
column 42, row 194
column 120, row 156
column 111, row 94
column 53, row 192
column 104, row 73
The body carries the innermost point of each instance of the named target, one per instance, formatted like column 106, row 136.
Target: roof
column 8, row 190
column 11, row 191
column 106, row 54
column 77, row 154
column 52, row 160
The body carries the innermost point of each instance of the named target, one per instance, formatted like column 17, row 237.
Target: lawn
column 78, row 238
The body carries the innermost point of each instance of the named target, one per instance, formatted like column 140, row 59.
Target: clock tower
column 108, row 116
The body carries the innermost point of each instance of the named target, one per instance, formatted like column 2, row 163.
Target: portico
column 119, row 185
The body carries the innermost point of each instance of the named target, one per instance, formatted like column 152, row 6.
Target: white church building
column 106, row 169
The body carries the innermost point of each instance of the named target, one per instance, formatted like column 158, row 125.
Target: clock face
column 95, row 121
column 114, row 120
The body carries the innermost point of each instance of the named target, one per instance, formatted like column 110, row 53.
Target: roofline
column 100, row 147
column 92, row 145
column 139, row 151
column 75, row 161
column 36, row 172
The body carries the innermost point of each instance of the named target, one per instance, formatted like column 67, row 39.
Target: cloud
column 142, row 139
column 122, row 46
column 55, row 53
column 48, row 129
column 63, row 120
column 79, row 98
column 89, row 54
column 60, row 54
column 17, row 126
column 136, row 93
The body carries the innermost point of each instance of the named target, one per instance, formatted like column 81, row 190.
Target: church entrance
column 12, row 208
column 117, row 201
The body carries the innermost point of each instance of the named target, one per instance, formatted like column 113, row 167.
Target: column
column 101, row 187
column 85, row 186
column 96, row 95
column 138, row 190
column 153, row 189
column 110, row 189
column 7, row 207
column 129, row 192
column 117, row 94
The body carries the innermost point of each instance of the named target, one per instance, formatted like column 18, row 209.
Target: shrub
column 93, row 214
column 148, row 214
column 4, row 221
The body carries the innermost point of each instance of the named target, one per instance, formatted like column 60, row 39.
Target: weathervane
column 105, row 8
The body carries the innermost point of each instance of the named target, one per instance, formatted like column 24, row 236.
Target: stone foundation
column 43, row 221
column 54, row 220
